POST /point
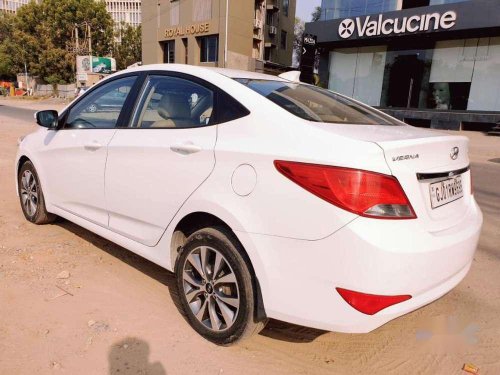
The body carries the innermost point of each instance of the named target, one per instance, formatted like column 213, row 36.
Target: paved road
column 486, row 182
column 17, row 113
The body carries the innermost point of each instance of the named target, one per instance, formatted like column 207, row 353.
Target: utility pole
column 77, row 40
column 90, row 44
column 26, row 74
column 227, row 34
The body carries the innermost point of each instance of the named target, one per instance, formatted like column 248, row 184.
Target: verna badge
column 346, row 28
column 454, row 153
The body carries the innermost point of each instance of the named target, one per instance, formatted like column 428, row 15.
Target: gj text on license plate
column 446, row 191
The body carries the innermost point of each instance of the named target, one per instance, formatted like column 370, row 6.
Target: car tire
column 31, row 196
column 218, row 294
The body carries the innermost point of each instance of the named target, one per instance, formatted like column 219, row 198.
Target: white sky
column 305, row 8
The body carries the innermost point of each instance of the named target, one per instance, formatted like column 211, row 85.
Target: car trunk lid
column 427, row 164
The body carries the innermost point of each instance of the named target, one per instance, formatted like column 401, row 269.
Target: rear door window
column 171, row 102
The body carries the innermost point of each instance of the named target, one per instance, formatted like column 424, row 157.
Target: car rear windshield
column 316, row 104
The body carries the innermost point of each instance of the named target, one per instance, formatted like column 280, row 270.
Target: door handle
column 92, row 146
column 186, row 149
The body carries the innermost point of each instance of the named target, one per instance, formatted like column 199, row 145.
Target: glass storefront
column 445, row 75
column 333, row 9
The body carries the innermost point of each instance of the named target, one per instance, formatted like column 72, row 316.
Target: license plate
column 446, row 191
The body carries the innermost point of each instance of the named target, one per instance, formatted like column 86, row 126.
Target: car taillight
column 364, row 193
column 370, row 304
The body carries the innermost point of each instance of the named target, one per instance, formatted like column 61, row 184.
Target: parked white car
column 268, row 198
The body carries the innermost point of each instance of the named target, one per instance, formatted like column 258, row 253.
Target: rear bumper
column 298, row 278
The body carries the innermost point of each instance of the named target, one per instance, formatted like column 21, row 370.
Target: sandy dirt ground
column 74, row 303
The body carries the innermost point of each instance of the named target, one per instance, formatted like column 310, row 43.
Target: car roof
column 192, row 69
column 235, row 73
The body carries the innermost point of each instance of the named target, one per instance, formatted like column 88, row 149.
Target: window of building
column 358, row 72
column 174, row 13
column 267, row 53
column 209, row 48
column 169, row 52
column 414, row 4
column 333, row 9
column 446, row 75
column 286, row 6
column 202, row 10
column 437, row 2
column 270, row 18
column 283, row 40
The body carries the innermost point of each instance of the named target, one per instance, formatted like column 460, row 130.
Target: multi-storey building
column 11, row 6
column 244, row 34
column 432, row 63
column 121, row 11
column 128, row 12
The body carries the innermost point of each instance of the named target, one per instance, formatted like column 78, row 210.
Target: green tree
column 41, row 33
column 316, row 15
column 6, row 63
column 129, row 50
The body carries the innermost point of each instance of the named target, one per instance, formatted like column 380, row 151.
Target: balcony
column 258, row 35
column 257, row 24
column 272, row 5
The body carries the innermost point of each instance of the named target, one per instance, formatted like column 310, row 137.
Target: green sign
column 104, row 65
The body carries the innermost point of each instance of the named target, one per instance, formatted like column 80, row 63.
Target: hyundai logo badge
column 454, row 153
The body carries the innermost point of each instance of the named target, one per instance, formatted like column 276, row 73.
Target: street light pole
column 90, row 44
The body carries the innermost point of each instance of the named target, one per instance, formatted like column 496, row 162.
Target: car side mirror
column 48, row 119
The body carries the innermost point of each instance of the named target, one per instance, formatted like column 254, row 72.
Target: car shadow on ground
column 131, row 357
column 274, row 329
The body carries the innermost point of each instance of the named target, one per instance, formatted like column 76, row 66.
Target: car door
column 74, row 157
column 162, row 157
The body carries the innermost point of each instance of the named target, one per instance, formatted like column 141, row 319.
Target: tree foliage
column 316, row 14
column 40, row 34
column 129, row 50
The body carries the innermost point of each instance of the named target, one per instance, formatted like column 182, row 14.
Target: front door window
column 101, row 108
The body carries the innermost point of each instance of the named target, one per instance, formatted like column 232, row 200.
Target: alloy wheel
column 211, row 288
column 29, row 193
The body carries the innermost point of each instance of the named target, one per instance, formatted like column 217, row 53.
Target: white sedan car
column 268, row 198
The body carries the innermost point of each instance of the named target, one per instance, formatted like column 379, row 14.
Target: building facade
column 242, row 34
column 432, row 63
column 128, row 12
column 11, row 6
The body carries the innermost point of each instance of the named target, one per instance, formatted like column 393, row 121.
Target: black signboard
column 308, row 58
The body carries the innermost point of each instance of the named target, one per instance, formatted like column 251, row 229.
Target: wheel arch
column 195, row 221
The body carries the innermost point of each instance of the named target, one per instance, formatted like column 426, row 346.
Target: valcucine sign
column 378, row 26
column 187, row 30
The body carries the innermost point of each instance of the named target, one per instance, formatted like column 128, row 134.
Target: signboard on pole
column 83, row 64
column 103, row 65
column 308, row 58
column 94, row 64
column 82, row 77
